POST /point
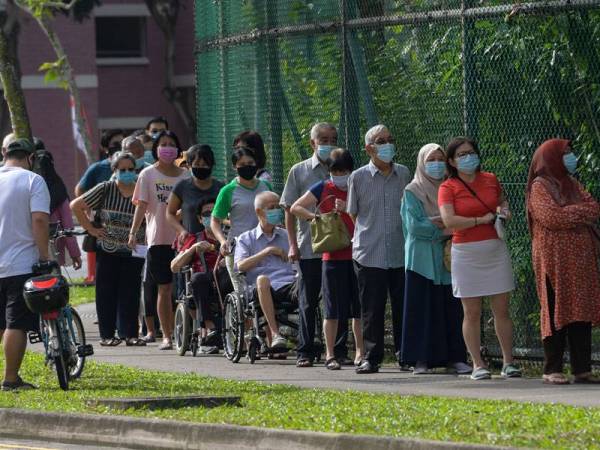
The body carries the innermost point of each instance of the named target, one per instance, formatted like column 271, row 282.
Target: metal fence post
column 224, row 160
column 469, row 71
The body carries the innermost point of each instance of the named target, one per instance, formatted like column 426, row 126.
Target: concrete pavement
column 389, row 380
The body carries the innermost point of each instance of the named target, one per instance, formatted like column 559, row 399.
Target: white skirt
column 481, row 268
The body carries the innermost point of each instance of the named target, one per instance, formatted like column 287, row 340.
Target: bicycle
column 61, row 328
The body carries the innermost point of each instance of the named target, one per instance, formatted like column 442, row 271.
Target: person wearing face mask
column 374, row 195
column 562, row 218
column 189, row 193
column 323, row 139
column 262, row 254
column 150, row 197
column 24, row 216
column 118, row 273
column 252, row 140
column 340, row 289
column 236, row 202
column 133, row 145
column 100, row 171
column 481, row 267
column 431, row 332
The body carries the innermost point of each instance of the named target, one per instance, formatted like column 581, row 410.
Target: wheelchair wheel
column 195, row 344
column 183, row 329
column 233, row 328
column 253, row 349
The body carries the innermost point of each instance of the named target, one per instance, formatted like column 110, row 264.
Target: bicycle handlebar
column 68, row 233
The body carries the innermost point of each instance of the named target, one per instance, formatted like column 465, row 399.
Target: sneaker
column 481, row 373
column 404, row 367
column 209, row 350
column 279, row 342
column 421, row 369
column 18, row 385
column 460, row 368
column 510, row 371
column 211, row 338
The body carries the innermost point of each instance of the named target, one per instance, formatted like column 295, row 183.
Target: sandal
column 166, row 345
column 481, row 373
column 332, row 364
column 135, row 342
column 304, row 362
column 555, row 378
column 17, row 385
column 112, row 342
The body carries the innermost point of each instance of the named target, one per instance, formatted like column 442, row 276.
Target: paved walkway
column 389, row 380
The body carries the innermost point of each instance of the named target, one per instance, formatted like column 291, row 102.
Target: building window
column 120, row 37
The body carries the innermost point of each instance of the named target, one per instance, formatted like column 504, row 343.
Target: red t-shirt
column 454, row 192
column 210, row 257
column 322, row 190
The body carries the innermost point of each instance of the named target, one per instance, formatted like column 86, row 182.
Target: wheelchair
column 186, row 329
column 244, row 325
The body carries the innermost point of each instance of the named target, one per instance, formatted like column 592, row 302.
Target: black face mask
column 202, row 173
column 247, row 172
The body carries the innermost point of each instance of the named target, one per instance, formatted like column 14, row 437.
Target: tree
column 10, row 73
column 61, row 71
column 165, row 14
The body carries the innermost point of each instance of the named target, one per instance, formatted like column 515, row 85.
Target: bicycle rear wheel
column 58, row 359
column 77, row 339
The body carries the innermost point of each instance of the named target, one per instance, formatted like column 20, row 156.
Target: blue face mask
column 435, row 169
column 385, row 152
column 323, row 151
column 340, row 181
column 274, row 216
column 127, row 177
column 468, row 163
column 570, row 161
column 148, row 157
column 206, row 222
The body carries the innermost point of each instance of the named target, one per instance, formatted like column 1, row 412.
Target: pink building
column 118, row 57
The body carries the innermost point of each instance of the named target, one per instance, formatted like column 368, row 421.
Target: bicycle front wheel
column 77, row 340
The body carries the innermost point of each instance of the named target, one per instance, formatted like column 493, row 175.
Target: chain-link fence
column 510, row 75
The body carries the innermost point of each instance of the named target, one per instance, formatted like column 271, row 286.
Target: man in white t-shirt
column 24, row 216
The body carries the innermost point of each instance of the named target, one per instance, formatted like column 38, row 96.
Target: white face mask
column 340, row 181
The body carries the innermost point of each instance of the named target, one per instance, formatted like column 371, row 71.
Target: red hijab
column 547, row 167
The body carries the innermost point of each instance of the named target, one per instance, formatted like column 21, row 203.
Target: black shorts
column 287, row 293
column 340, row 290
column 159, row 263
column 14, row 314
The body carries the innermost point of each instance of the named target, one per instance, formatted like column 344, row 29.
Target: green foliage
column 79, row 295
column 55, row 72
column 279, row 406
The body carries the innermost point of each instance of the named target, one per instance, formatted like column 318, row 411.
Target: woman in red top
column 565, row 250
column 469, row 201
column 340, row 288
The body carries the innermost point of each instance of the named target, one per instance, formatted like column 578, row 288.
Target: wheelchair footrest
column 34, row 337
column 85, row 350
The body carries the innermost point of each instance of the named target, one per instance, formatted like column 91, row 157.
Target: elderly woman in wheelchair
column 266, row 304
column 199, row 307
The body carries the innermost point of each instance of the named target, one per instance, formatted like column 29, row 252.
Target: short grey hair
column 317, row 128
column 373, row 132
column 121, row 156
column 264, row 197
column 8, row 139
column 125, row 143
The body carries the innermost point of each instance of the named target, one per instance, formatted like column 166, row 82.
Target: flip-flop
column 332, row 364
column 555, row 378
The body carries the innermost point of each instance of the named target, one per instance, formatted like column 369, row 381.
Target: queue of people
column 433, row 244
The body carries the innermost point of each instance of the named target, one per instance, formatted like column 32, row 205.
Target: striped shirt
column 301, row 178
column 375, row 201
column 116, row 215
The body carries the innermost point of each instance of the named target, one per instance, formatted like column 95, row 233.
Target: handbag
column 90, row 242
column 498, row 221
column 328, row 231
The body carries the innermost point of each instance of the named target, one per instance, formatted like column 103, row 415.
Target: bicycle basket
column 46, row 293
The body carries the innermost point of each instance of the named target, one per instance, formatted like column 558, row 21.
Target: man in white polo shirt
column 24, row 216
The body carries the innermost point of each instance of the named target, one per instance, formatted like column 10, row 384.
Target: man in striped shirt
column 374, row 195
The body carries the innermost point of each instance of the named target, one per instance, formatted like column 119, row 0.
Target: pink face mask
column 167, row 154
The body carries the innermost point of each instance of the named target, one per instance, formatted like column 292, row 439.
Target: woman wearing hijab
column 59, row 203
column 566, row 251
column 431, row 333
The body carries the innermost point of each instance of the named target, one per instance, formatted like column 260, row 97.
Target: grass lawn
column 277, row 406
column 82, row 294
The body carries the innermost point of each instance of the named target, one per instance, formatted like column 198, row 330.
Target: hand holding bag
column 328, row 231
column 498, row 221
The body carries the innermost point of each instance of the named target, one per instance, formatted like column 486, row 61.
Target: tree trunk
column 69, row 77
column 11, row 83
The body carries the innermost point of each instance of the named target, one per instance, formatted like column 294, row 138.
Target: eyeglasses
column 127, row 170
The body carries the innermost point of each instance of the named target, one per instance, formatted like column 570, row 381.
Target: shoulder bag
column 328, row 231
column 89, row 241
column 498, row 222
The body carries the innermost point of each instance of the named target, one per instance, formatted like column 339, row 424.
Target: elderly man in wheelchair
column 261, row 254
column 196, row 259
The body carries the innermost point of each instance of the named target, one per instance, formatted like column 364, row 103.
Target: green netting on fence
column 509, row 75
